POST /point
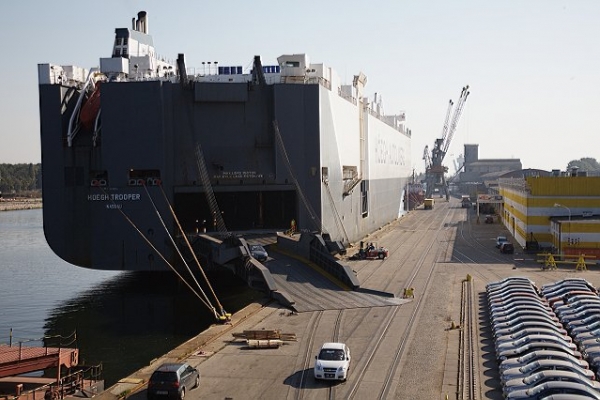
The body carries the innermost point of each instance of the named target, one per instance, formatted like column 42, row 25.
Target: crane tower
column 434, row 170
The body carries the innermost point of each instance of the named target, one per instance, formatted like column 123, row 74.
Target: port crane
column 434, row 170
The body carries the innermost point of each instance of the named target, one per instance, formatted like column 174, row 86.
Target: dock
column 19, row 359
column 401, row 348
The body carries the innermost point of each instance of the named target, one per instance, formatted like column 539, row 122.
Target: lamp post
column 569, row 210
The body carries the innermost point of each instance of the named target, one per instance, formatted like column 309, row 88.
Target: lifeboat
column 90, row 108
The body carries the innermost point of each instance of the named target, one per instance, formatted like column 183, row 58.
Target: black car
column 507, row 248
column 172, row 381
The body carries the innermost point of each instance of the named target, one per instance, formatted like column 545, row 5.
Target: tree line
column 26, row 179
column 20, row 179
column 587, row 164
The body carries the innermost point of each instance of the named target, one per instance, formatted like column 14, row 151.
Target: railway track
column 468, row 377
column 395, row 348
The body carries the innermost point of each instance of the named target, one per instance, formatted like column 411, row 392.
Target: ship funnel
column 142, row 23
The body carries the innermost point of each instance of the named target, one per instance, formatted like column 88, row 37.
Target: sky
column 533, row 66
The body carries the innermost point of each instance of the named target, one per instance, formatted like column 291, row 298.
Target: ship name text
column 389, row 153
column 114, row 197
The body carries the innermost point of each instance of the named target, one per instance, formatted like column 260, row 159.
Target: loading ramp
column 313, row 291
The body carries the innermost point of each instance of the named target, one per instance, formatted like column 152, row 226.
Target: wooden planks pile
column 265, row 338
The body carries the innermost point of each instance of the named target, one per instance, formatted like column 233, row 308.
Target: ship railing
column 386, row 120
column 82, row 383
column 346, row 97
column 307, row 80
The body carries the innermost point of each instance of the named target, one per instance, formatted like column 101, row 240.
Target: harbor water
column 123, row 320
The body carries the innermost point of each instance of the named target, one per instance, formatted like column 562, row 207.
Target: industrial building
column 559, row 212
column 553, row 211
column 477, row 175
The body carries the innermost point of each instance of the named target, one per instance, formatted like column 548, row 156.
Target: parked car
column 172, row 380
column 332, row 362
column 587, row 308
column 576, row 303
column 579, row 337
column 557, row 299
column 507, row 344
column 568, row 281
column 591, row 351
column 545, row 365
column 513, row 295
column 507, row 281
column 527, row 335
column 525, row 318
column 507, row 248
column 576, row 331
column 259, row 252
column 546, row 389
column 561, row 303
column 510, row 291
column 547, row 376
column 523, row 312
column 500, row 240
column 542, row 355
column 569, row 348
column 584, row 344
column 566, row 396
column 567, row 288
column 530, row 327
column 594, row 362
column 572, row 324
column 518, row 297
column 588, row 312
column 501, row 309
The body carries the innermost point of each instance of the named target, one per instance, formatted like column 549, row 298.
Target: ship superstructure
column 225, row 149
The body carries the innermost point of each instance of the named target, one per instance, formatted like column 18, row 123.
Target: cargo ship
column 141, row 146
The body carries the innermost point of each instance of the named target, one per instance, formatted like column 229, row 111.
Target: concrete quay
column 19, row 204
column 402, row 351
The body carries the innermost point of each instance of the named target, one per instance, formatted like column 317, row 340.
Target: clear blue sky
column 533, row 65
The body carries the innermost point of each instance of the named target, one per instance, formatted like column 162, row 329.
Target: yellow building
column 560, row 212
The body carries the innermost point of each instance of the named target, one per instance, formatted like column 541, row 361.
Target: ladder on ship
column 208, row 191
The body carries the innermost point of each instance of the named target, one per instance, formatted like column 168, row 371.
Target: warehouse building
column 560, row 212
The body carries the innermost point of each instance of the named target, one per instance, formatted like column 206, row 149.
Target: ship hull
column 108, row 194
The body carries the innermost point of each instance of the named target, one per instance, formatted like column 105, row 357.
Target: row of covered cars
column 547, row 339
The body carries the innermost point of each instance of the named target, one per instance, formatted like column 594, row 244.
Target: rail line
column 468, row 352
column 431, row 236
column 314, row 323
column 389, row 318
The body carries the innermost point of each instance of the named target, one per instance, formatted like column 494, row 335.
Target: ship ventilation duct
column 183, row 79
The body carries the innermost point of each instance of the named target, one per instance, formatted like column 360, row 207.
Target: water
column 122, row 319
